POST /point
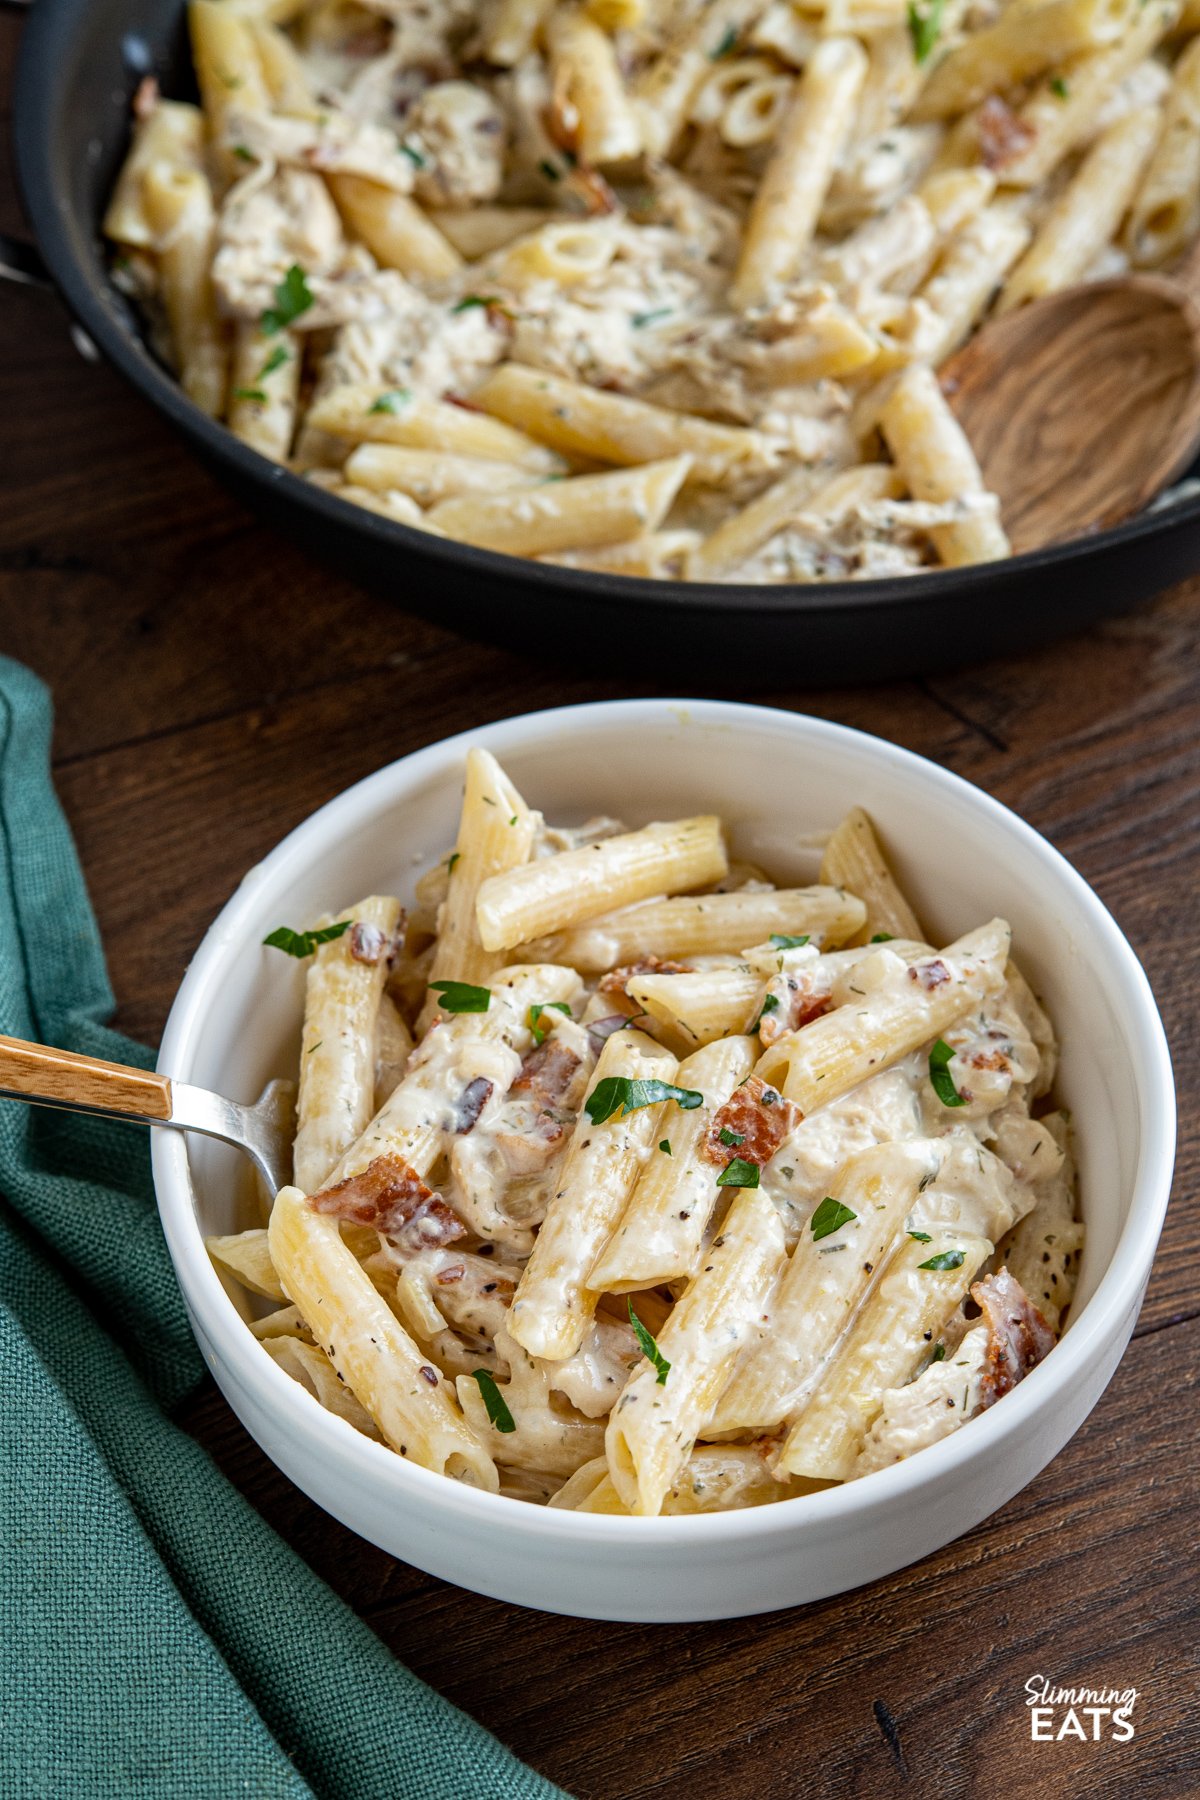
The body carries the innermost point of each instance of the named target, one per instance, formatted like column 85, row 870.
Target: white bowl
column 777, row 778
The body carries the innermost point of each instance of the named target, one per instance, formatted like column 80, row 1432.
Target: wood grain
column 61, row 1077
column 213, row 688
column 1081, row 406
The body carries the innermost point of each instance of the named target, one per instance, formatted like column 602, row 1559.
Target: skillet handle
column 21, row 262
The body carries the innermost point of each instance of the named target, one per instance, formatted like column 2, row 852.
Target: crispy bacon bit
column 392, row 1197
column 367, row 943
column 988, row 1059
column 547, row 1072
column 1002, row 135
column 470, row 1104
column 756, row 1115
column 804, row 1004
column 454, row 1272
column 616, row 981
column 429, row 1374
column 1018, row 1336
column 931, row 974
column 527, row 1151
column 593, row 190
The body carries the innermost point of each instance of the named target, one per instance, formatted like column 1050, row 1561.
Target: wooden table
column 213, row 688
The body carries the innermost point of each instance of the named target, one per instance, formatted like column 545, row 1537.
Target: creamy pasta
column 629, row 1181
column 653, row 287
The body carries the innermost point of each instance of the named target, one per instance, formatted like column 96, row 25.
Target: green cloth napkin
column 156, row 1637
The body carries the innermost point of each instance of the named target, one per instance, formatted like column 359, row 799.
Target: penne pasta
column 708, row 924
column 566, row 514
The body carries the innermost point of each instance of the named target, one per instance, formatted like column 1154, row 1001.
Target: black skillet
column 79, row 64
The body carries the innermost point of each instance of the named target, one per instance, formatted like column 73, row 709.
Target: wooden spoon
column 1084, row 405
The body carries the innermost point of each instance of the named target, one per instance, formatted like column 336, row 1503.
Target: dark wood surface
column 213, row 688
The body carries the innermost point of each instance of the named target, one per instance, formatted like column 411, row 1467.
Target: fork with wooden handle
column 42, row 1076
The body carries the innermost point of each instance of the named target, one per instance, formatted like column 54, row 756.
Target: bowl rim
column 101, row 310
column 1098, row 1325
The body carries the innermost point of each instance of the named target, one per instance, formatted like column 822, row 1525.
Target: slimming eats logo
column 1088, row 1713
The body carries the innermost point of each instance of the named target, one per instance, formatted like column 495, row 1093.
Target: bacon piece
column 470, row 1104
column 988, row 1059
column 392, row 1197
column 616, row 980
column 528, row 1151
column 1018, row 1336
column 756, row 1114
column 547, row 1072
column 368, row 944
column 600, row 1030
column 1002, row 135
column 931, row 974
column 805, row 1002
column 454, row 1272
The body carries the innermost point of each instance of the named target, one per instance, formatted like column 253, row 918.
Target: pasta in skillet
column 628, row 1181
column 655, row 287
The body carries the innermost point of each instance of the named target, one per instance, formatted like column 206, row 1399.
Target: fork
column 42, row 1076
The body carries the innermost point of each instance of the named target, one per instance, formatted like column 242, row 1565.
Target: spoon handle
column 50, row 1077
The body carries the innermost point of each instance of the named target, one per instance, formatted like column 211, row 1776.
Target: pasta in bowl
column 627, row 1180
column 779, row 782
column 640, row 288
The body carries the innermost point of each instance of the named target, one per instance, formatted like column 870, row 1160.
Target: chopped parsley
column 665, row 1146
column 243, row 154
column 739, row 1173
column 727, row 45
column 939, row 1353
column 539, row 1030
column 731, row 1138
column 303, row 943
column 925, row 27
column 617, row 1095
column 769, row 1005
column 415, row 157
column 939, row 1074
column 883, row 937
column 275, row 361
column 255, row 394
column 470, row 300
column 462, row 996
column 391, row 402
column 497, row 1407
column 949, row 1259
column 829, row 1217
column 649, row 1348
column 293, row 296
column 780, row 941
column 1059, row 88
column 453, row 857
column 641, row 319
column 549, row 171
column 921, row 1237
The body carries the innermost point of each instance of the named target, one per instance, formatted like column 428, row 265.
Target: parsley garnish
column 649, row 1348
column 303, row 943
column 949, row 1259
column 642, row 319
column 243, row 154
column 470, row 300
column 391, row 402
column 461, row 996
column 731, row 1138
column 829, row 1217
column 925, row 27
column 414, row 156
column 275, row 361
column 665, row 1146
column 293, row 296
column 1058, row 87
column 939, row 1353
column 769, row 1005
column 883, row 937
column 497, row 1407
column 535, row 1013
column 250, row 394
column 727, row 44
column 739, row 1173
column 549, row 171
column 940, row 1077
column 922, row 1237
column 451, row 860
column 620, row 1094
column 780, row 941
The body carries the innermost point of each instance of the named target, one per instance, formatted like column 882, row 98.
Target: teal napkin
column 157, row 1640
